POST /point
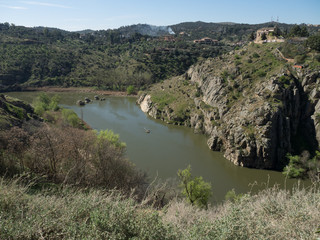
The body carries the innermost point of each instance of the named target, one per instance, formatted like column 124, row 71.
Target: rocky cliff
column 251, row 104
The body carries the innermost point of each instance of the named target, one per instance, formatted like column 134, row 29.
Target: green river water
column 166, row 148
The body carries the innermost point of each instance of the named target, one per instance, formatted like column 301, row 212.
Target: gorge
column 255, row 116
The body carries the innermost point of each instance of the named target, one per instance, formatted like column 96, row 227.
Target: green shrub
column 255, row 55
column 261, row 73
column 70, row 117
column 44, row 103
column 300, row 59
column 285, row 80
column 195, row 189
column 131, row 90
column 163, row 99
column 232, row 196
column 110, row 136
column 314, row 42
column 293, row 169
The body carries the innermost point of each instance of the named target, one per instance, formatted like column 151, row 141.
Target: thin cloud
column 45, row 4
column 13, row 7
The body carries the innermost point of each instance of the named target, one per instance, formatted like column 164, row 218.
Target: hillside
column 137, row 55
column 251, row 103
column 146, row 29
column 233, row 32
column 111, row 59
column 14, row 112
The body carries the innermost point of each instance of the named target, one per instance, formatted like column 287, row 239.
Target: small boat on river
column 147, row 130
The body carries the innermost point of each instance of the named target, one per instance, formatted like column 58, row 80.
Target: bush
column 163, row 99
column 71, row 156
column 44, row 103
column 314, row 42
column 300, row 59
column 131, row 90
column 232, row 196
column 255, row 55
column 261, row 73
column 111, row 137
column 195, row 189
column 293, row 169
column 70, row 117
column 302, row 166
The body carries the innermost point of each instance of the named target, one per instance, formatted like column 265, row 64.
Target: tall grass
column 271, row 214
column 76, row 214
column 70, row 213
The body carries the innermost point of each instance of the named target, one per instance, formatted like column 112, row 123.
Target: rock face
column 255, row 123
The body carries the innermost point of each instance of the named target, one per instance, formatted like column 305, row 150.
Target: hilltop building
column 268, row 34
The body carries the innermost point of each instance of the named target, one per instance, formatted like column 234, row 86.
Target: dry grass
column 271, row 214
column 75, row 214
column 94, row 214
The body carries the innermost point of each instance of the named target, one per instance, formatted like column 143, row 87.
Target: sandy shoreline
column 78, row 89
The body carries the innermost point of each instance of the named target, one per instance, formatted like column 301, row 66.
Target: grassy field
column 63, row 212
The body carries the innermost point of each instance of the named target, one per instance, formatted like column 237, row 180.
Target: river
column 166, row 148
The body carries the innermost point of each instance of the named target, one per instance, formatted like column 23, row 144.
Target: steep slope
column 13, row 112
column 252, row 105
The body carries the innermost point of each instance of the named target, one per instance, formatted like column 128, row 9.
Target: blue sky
column 75, row 15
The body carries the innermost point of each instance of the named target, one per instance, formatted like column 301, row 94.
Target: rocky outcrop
column 256, row 123
column 258, row 129
column 14, row 112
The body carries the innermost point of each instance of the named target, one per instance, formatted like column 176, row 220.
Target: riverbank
column 79, row 90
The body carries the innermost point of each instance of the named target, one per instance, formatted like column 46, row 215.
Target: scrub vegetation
column 59, row 179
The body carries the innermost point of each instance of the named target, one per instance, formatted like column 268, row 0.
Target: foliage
column 270, row 214
column 130, row 90
column 162, row 99
column 301, row 166
column 65, row 212
column 297, row 31
column 44, row 103
column 300, row 59
column 104, row 59
column 69, row 155
column 291, row 49
column 293, row 170
column 111, row 137
column 232, row 196
column 264, row 36
column 261, row 73
column 314, row 42
column 195, row 189
column 71, row 213
column 255, row 55
column 70, row 117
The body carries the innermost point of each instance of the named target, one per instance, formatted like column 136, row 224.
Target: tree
column 264, row 36
column 252, row 36
column 314, row 42
column 130, row 90
column 298, row 31
column 44, row 103
column 196, row 190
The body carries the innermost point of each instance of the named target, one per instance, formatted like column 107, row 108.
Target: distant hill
column 228, row 30
column 113, row 59
column 86, row 31
column 146, row 29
